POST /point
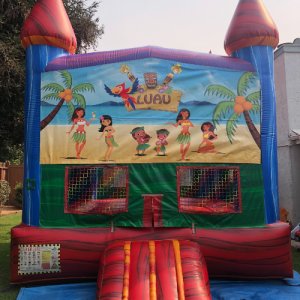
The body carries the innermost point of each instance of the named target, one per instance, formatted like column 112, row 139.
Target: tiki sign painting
column 149, row 95
column 150, row 111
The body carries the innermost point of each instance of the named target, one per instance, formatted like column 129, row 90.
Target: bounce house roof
column 181, row 56
column 48, row 24
column 251, row 25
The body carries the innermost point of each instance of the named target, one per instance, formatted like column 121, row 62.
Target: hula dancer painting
column 184, row 137
column 162, row 135
column 79, row 136
column 142, row 139
column 208, row 136
column 107, row 129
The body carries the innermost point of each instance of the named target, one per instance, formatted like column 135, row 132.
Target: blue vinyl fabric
column 253, row 290
column 76, row 291
column 262, row 58
column 37, row 58
column 220, row 290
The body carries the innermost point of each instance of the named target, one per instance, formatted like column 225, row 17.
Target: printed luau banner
column 150, row 111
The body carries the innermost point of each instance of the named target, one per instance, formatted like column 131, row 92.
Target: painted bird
column 93, row 113
column 120, row 91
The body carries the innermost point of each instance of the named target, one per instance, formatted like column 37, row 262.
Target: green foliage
column 52, row 96
column 254, row 98
column 255, row 109
column 6, row 223
column 67, row 78
column 19, row 192
column 296, row 259
column 83, row 87
column 77, row 98
column 225, row 106
column 13, row 14
column 221, row 91
column 13, row 153
column 231, row 125
column 53, row 87
column 85, row 25
column 80, row 100
column 169, row 90
column 4, row 191
column 12, row 73
column 71, row 109
column 221, row 109
column 243, row 84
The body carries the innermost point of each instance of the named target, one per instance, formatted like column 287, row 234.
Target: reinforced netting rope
column 211, row 190
column 96, row 190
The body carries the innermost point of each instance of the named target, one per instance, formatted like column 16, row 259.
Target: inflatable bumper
column 247, row 253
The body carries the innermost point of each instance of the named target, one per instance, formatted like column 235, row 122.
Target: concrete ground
column 295, row 244
column 8, row 210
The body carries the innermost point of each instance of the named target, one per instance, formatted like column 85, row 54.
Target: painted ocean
column 199, row 115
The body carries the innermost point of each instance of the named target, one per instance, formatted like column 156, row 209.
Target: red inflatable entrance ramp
column 153, row 270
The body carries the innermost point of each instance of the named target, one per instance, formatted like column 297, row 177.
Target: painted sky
column 192, row 81
column 196, row 25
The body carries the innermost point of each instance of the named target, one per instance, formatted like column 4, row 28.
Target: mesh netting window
column 96, row 189
column 209, row 190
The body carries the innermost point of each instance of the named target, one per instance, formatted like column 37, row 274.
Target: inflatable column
column 252, row 36
column 46, row 35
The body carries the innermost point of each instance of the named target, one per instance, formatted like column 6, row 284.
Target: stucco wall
column 295, row 163
column 287, row 88
column 281, row 101
column 292, row 67
column 285, row 181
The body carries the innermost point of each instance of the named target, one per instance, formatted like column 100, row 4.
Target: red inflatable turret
column 48, row 24
column 251, row 25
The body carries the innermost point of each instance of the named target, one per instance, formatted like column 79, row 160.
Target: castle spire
column 251, row 25
column 48, row 24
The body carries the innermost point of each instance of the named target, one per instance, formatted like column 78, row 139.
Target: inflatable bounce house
column 150, row 169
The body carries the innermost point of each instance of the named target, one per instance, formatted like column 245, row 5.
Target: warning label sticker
column 38, row 259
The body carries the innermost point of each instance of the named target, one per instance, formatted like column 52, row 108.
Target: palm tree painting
column 239, row 104
column 63, row 94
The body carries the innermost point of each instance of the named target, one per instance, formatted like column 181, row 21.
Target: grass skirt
column 183, row 139
column 142, row 147
column 112, row 141
column 78, row 137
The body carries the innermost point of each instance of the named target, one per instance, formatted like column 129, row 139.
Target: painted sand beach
column 58, row 148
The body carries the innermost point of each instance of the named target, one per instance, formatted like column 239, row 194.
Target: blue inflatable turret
column 252, row 36
column 46, row 35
